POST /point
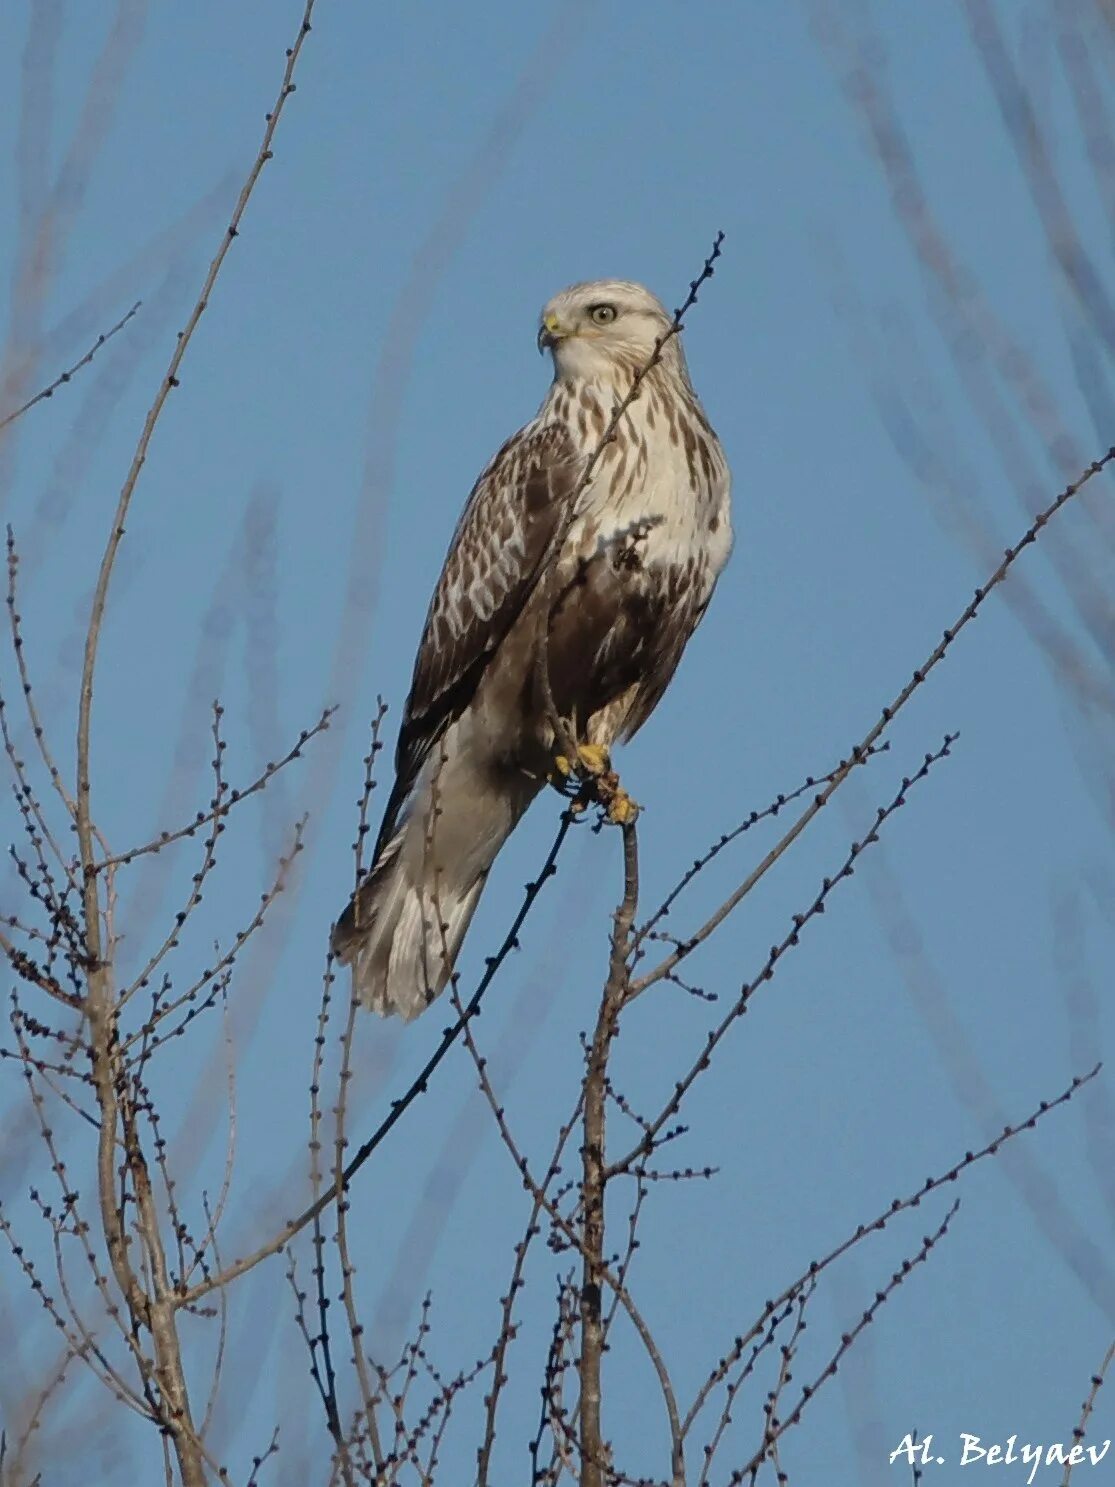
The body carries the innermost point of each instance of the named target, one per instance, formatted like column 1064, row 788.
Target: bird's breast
column 659, row 494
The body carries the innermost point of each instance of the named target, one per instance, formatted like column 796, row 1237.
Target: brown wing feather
column 624, row 626
column 686, row 594
column 493, row 562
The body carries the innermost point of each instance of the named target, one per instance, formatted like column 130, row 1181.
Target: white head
column 610, row 325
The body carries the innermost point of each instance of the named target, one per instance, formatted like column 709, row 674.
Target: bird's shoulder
column 507, row 522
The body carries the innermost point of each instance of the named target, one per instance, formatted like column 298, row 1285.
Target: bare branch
column 233, row 798
column 1086, row 1412
column 66, row 376
column 169, row 381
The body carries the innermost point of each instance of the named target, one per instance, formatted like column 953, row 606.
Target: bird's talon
column 621, row 810
column 594, row 758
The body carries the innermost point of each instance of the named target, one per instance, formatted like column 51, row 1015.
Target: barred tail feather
column 403, row 929
column 402, row 939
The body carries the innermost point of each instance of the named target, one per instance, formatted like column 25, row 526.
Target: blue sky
column 440, row 172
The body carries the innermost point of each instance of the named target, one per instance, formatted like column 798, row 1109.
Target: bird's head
column 610, row 325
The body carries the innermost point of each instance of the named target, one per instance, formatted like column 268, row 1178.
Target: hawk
column 607, row 562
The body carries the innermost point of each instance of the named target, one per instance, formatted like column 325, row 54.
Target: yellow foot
column 620, row 809
column 599, row 784
column 591, row 758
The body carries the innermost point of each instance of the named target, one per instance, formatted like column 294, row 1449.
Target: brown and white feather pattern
column 625, row 562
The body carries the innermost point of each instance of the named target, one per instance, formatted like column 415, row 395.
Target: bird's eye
column 602, row 314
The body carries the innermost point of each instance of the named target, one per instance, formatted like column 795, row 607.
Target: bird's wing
column 672, row 628
column 493, row 563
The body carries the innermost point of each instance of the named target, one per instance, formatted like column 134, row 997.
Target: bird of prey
column 605, row 554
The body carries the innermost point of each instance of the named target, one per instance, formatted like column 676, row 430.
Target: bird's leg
column 564, row 770
column 617, row 805
column 592, row 760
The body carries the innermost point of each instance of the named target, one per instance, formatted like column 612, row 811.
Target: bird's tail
column 404, row 926
column 401, row 935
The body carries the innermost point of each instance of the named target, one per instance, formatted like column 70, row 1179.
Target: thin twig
column 775, row 1430
column 1086, row 1410
column 169, row 381
column 60, row 381
column 233, row 797
column 768, row 813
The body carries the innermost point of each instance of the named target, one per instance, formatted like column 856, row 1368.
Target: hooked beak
column 549, row 332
